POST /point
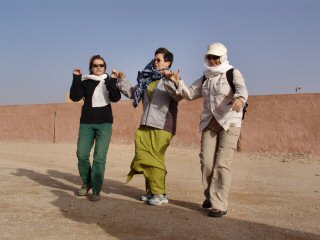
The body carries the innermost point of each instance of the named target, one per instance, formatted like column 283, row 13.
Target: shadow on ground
column 131, row 219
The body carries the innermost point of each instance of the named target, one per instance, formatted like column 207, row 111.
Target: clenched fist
column 77, row 71
column 116, row 74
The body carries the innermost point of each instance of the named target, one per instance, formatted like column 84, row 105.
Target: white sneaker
column 158, row 200
column 146, row 197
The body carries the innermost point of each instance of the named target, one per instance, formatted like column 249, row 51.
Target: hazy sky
column 274, row 43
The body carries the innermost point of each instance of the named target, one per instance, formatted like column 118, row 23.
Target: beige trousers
column 216, row 154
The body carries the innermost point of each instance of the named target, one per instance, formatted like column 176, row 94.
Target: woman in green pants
column 98, row 90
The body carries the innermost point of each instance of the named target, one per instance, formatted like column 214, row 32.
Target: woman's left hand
column 172, row 76
column 237, row 104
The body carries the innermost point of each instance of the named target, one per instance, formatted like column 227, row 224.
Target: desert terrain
column 273, row 196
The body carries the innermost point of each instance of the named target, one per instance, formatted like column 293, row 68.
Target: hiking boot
column 158, row 199
column 216, row 213
column 146, row 197
column 95, row 197
column 206, row 204
column 83, row 191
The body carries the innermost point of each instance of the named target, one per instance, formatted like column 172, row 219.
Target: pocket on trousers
column 230, row 138
column 234, row 131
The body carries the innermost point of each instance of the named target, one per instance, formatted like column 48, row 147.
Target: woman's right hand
column 77, row 71
column 173, row 76
column 118, row 75
column 121, row 75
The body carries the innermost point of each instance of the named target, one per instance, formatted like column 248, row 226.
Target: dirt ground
column 273, row 196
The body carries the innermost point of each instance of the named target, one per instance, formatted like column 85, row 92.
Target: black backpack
column 229, row 74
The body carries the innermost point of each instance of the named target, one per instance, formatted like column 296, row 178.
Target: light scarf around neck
column 217, row 70
column 100, row 97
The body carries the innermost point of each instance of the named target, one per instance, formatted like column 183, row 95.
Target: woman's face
column 98, row 68
column 159, row 62
column 213, row 60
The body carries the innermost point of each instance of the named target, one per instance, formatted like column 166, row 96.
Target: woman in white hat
column 220, row 123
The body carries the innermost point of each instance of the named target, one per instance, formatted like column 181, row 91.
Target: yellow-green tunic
column 150, row 147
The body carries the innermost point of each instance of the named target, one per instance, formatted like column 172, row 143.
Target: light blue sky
column 275, row 44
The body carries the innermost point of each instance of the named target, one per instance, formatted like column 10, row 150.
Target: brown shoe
column 95, row 197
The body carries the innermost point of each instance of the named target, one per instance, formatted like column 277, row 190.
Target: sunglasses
column 157, row 60
column 214, row 57
column 98, row 65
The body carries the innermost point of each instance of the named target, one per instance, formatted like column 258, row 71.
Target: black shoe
column 206, row 204
column 216, row 213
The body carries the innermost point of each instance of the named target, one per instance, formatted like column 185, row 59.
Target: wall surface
column 276, row 123
column 283, row 123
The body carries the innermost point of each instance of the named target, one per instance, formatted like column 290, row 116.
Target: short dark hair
column 167, row 55
column 94, row 57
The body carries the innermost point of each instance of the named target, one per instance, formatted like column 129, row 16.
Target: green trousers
column 88, row 134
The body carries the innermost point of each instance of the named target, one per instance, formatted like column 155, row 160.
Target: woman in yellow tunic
column 157, row 126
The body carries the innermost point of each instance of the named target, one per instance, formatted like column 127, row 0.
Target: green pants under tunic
column 150, row 147
column 101, row 134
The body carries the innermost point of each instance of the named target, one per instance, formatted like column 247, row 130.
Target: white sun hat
column 217, row 49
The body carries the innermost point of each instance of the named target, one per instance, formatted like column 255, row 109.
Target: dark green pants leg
column 103, row 132
column 85, row 143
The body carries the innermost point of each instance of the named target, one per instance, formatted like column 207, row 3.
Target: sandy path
column 272, row 197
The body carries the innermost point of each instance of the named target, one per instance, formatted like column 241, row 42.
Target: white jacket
column 161, row 110
column 218, row 97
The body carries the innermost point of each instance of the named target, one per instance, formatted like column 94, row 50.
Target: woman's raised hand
column 172, row 76
column 77, row 71
column 116, row 74
column 121, row 75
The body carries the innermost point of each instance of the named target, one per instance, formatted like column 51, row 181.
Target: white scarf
column 217, row 70
column 100, row 95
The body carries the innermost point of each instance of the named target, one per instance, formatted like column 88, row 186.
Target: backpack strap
column 229, row 74
column 204, row 79
column 244, row 110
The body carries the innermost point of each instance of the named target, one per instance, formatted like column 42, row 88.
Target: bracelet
column 242, row 99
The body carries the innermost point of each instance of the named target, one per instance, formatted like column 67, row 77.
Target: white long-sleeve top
column 218, row 97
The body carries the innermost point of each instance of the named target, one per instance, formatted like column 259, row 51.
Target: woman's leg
column 103, row 132
column 84, row 145
column 221, row 179
column 156, row 179
column 208, row 148
column 150, row 147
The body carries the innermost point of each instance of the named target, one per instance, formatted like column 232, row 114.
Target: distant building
column 298, row 89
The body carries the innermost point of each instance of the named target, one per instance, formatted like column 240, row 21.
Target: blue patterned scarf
column 145, row 77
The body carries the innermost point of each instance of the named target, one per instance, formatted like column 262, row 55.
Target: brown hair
column 94, row 57
column 167, row 55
